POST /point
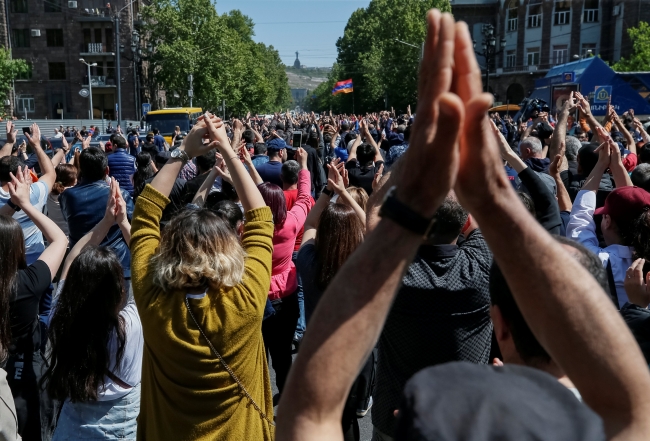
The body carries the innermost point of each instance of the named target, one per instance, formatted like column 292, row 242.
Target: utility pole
column 118, row 105
column 191, row 91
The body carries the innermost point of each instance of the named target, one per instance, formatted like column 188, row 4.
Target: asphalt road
column 365, row 424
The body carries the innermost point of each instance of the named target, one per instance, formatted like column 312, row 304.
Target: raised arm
column 582, row 331
column 353, row 151
column 559, row 134
column 349, row 317
column 557, row 166
column 11, row 140
column 48, row 174
column 337, row 184
column 247, row 191
column 58, row 242
column 248, row 161
column 619, row 173
column 585, row 108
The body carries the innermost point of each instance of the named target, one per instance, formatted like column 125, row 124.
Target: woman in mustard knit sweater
column 201, row 297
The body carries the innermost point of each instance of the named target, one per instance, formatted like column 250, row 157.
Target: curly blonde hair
column 198, row 250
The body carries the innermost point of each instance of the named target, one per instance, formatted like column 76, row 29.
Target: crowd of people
column 461, row 275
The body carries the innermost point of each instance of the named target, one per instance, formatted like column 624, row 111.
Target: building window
column 20, row 37
column 52, row 5
column 562, row 12
column 109, row 40
column 532, row 56
column 560, row 54
column 511, row 16
column 511, row 58
column 25, row 103
column 535, row 13
column 54, row 37
column 19, row 6
column 57, row 71
column 26, row 75
column 590, row 14
column 588, row 50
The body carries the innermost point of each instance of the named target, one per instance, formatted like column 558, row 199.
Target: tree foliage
column 9, row 71
column 190, row 37
column 639, row 61
column 384, row 72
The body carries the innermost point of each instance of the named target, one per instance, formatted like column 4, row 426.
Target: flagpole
column 353, row 102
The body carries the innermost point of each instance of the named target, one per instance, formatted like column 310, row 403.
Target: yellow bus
column 166, row 120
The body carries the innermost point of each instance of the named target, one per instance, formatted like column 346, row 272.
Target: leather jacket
column 121, row 166
column 84, row 205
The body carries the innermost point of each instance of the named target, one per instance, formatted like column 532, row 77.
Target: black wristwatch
column 404, row 216
column 13, row 206
column 328, row 192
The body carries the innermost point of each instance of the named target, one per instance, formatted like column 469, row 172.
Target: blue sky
column 310, row 27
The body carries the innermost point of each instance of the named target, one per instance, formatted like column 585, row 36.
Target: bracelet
column 236, row 156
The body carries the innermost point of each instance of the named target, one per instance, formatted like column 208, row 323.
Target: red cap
column 625, row 204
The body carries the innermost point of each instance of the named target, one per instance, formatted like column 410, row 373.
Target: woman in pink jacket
column 278, row 329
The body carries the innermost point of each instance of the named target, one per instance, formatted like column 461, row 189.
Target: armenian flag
column 344, row 86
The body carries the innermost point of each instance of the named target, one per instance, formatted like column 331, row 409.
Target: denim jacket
column 84, row 205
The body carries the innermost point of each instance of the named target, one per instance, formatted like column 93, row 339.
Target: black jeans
column 34, row 407
column 277, row 332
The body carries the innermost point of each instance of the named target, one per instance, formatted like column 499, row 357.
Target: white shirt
column 130, row 367
column 34, row 245
column 582, row 228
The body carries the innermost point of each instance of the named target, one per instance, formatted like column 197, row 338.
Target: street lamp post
column 90, row 86
column 135, row 49
column 490, row 51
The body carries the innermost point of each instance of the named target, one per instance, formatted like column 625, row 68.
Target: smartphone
column 297, row 139
column 27, row 130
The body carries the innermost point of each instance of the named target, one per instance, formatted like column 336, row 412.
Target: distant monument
column 296, row 64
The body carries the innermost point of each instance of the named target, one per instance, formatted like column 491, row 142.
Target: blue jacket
column 121, row 166
column 84, row 205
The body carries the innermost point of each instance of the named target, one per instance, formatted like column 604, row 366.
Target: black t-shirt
column 176, row 198
column 362, row 176
column 31, row 284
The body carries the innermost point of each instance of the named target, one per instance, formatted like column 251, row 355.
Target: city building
column 52, row 36
column 540, row 34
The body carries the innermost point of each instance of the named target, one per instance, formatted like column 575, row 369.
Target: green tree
column 384, row 72
column 639, row 61
column 190, row 37
column 10, row 69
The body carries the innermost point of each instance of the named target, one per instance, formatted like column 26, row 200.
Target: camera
column 528, row 106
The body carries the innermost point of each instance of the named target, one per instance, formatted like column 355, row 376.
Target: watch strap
column 404, row 216
column 13, row 206
column 328, row 192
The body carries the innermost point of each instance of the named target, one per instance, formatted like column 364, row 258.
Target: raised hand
column 377, row 179
column 434, row 140
column 11, row 132
column 569, row 104
column 583, row 103
column 216, row 132
column 111, row 203
column 19, row 187
column 340, row 167
column 334, row 179
column 636, row 286
column 301, row 157
column 35, row 138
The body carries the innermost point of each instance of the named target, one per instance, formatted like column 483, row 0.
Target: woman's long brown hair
column 339, row 233
column 12, row 259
